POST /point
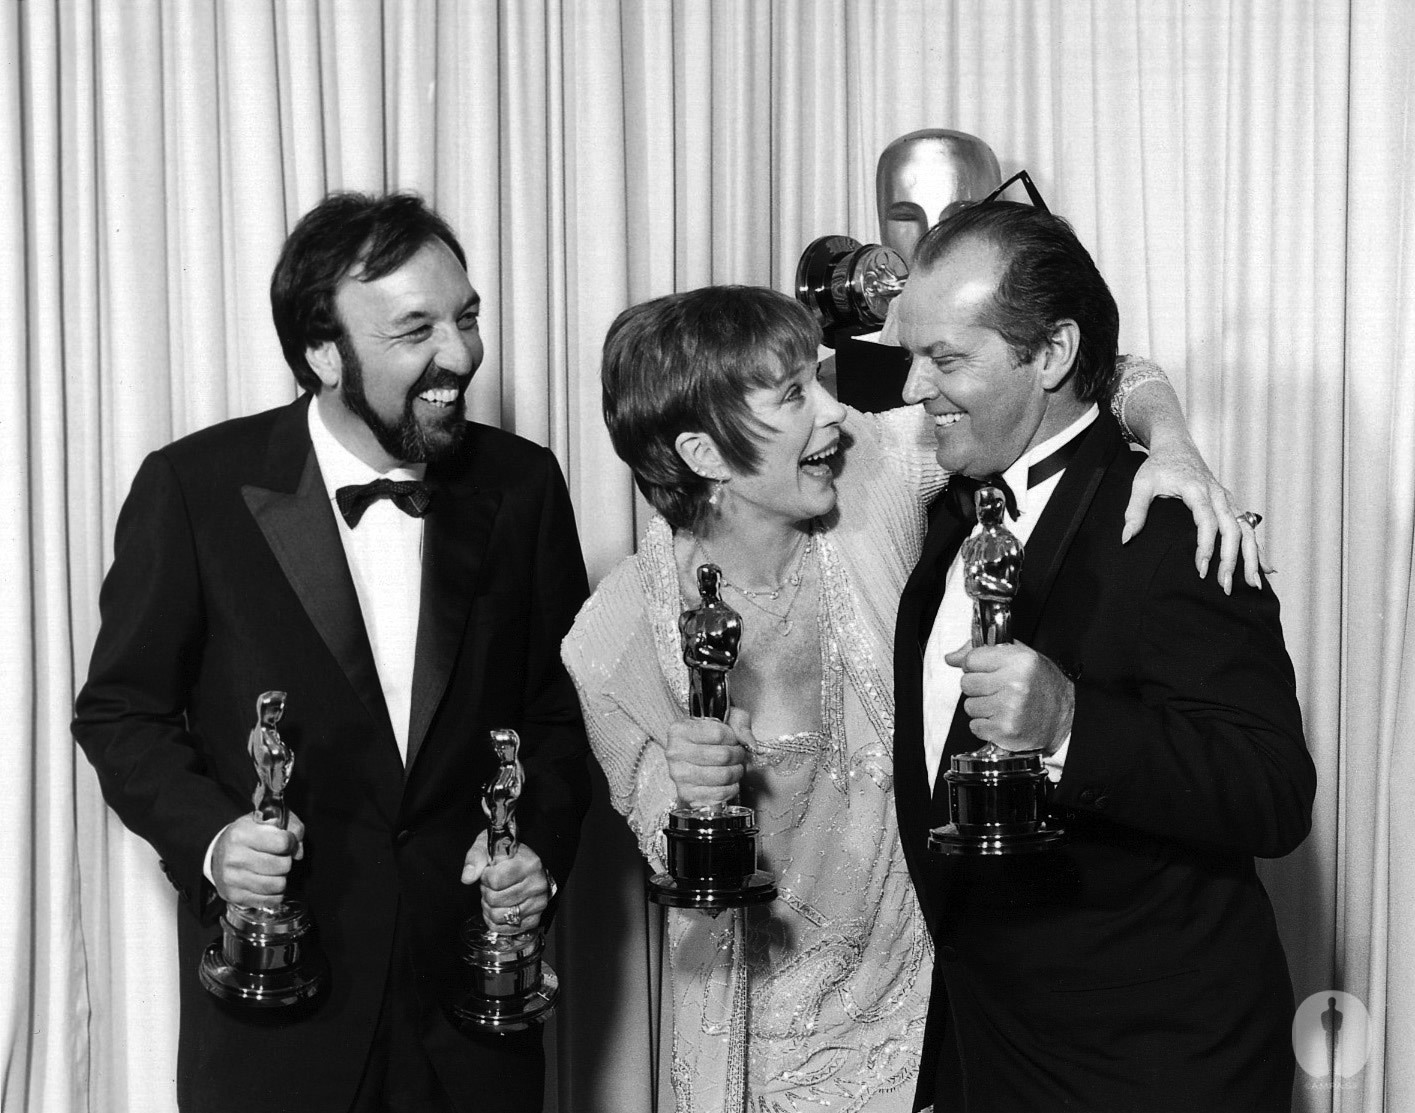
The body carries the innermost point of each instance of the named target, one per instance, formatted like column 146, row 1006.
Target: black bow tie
column 962, row 488
column 411, row 496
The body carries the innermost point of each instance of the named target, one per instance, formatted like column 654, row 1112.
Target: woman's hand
column 707, row 759
column 1175, row 469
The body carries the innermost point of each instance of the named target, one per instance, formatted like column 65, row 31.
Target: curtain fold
column 1376, row 836
column 1237, row 168
column 43, row 1028
column 597, row 263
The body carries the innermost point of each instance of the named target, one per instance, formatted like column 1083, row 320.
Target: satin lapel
column 456, row 534
column 961, row 740
column 300, row 529
column 924, row 591
column 917, row 610
column 1056, row 529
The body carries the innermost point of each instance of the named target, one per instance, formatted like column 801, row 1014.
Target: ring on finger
column 512, row 916
column 1250, row 517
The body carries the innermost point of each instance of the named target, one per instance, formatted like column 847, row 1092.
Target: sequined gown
column 818, row 1000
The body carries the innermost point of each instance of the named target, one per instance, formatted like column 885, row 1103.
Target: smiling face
column 797, row 429
column 395, row 382
column 988, row 408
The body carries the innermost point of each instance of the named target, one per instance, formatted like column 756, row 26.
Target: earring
column 715, row 496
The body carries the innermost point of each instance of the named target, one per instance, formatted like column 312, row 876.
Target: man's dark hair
column 684, row 364
column 378, row 234
column 1047, row 277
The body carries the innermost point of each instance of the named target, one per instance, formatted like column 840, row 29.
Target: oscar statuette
column 711, row 851
column 997, row 798
column 848, row 285
column 508, row 986
column 266, row 957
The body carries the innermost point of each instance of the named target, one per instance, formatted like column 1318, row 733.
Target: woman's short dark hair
column 377, row 233
column 1048, row 276
column 684, row 364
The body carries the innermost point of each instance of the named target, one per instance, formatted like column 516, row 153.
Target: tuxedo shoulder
column 494, row 455
column 490, row 438
column 232, row 439
column 1167, row 521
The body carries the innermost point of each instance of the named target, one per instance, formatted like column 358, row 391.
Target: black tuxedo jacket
column 1137, row 967
column 229, row 579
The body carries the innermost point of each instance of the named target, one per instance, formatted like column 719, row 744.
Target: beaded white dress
column 816, row 1001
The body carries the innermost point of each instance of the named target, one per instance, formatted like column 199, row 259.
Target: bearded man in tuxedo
column 406, row 575
column 1138, row 965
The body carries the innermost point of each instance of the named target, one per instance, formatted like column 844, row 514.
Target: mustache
column 439, row 378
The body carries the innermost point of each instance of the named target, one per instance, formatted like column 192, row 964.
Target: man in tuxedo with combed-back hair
column 406, row 576
column 1137, row 966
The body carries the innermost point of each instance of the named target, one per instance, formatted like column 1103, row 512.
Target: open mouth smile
column 821, row 463
column 441, row 396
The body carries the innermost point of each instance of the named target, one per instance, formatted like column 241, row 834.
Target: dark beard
column 406, row 440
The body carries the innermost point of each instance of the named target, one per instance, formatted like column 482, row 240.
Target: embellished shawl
column 819, row 999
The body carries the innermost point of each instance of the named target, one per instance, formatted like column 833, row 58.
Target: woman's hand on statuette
column 707, row 759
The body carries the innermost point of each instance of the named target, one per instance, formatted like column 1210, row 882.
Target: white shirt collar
column 1016, row 475
column 338, row 465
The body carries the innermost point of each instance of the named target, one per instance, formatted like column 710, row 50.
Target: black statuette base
column 712, row 862
column 509, row 987
column 264, row 959
column 998, row 806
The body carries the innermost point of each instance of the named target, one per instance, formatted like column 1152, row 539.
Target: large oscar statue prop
column 509, row 987
column 922, row 176
column 711, row 852
column 266, row 957
column 997, row 798
column 849, row 286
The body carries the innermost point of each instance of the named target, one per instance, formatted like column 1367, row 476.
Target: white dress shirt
column 385, row 561
column 953, row 625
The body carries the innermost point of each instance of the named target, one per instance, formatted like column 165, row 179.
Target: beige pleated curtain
column 1240, row 170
